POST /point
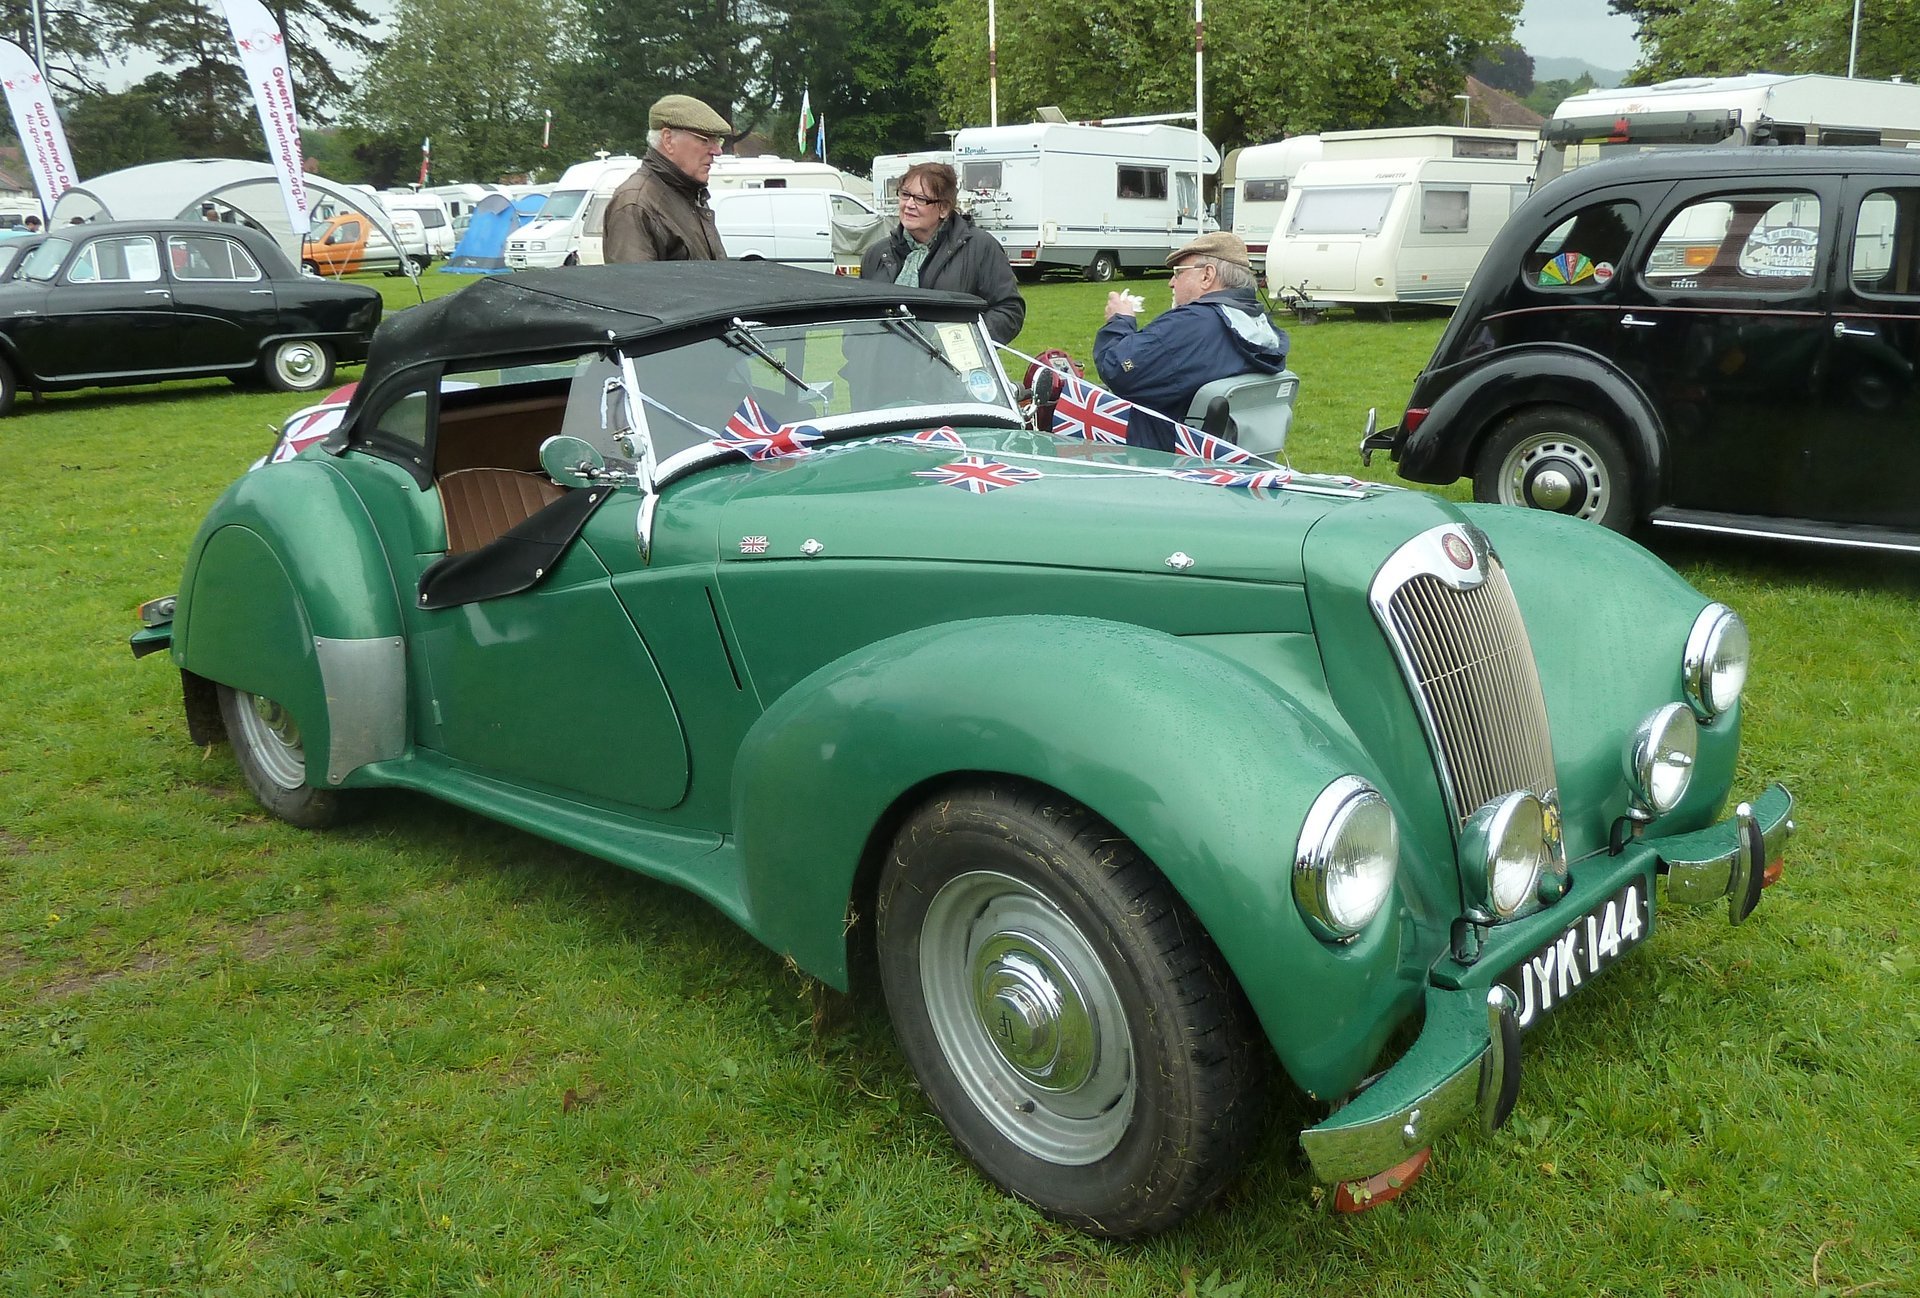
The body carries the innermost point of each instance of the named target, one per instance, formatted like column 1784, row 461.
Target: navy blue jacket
column 1162, row 366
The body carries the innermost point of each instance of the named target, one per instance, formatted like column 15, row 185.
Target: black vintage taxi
column 110, row 303
column 1721, row 340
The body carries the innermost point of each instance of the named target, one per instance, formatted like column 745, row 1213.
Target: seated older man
column 1216, row 329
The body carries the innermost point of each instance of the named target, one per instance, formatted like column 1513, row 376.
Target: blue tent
column 482, row 249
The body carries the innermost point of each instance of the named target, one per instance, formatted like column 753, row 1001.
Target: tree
column 473, row 76
column 1505, row 67
column 110, row 131
column 1549, row 95
column 1729, row 37
column 643, row 49
column 1292, row 66
column 78, row 35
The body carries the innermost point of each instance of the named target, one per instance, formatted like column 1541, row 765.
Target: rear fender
column 288, row 594
column 1445, row 445
column 1204, row 763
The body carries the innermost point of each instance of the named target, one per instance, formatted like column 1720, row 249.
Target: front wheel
column 298, row 365
column 9, row 388
column 273, row 760
column 1069, row 1020
column 1559, row 459
column 1102, row 268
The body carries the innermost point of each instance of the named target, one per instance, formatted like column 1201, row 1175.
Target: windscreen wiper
column 742, row 338
column 905, row 330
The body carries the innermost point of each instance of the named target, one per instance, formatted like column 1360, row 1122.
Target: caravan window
column 1189, row 196
column 1142, row 182
column 1343, row 209
column 974, row 176
column 1264, row 191
column 1442, row 210
column 1847, row 137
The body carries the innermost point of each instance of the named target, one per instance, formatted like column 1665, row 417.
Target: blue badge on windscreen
column 981, row 384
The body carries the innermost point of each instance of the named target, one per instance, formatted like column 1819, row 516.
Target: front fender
column 1204, row 763
column 1478, row 393
column 288, row 594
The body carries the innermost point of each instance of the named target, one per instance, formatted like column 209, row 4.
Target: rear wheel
column 267, row 745
column 1559, row 459
column 298, row 365
column 1073, row 1026
column 9, row 388
column 1103, row 267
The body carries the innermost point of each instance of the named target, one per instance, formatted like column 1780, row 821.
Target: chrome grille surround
column 1450, row 615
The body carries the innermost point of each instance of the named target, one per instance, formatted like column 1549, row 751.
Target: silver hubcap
column 1027, row 1017
column 274, row 739
column 1558, row 473
column 300, row 363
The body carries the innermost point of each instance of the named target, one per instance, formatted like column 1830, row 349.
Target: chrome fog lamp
column 1715, row 664
column 1344, row 864
column 1660, row 759
column 1504, row 848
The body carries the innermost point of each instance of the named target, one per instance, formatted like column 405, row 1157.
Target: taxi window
column 1581, row 253
column 1739, row 243
column 209, row 257
column 1886, row 243
column 125, row 259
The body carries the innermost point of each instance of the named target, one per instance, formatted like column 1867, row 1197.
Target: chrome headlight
column 1660, row 758
column 1344, row 864
column 1504, row 848
column 1715, row 665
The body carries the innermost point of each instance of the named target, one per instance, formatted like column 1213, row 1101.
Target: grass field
column 428, row 1055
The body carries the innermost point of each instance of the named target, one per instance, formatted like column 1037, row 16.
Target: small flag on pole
column 806, row 119
column 426, row 157
column 820, row 139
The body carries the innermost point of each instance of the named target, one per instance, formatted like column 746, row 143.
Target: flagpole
column 993, row 71
column 1199, row 116
column 1853, row 45
column 40, row 40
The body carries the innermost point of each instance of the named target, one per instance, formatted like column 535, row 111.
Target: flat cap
column 685, row 113
column 1222, row 245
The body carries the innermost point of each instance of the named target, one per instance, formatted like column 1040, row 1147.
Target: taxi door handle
column 158, row 292
column 1632, row 323
column 1841, row 329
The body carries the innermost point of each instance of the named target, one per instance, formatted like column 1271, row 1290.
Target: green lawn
column 428, row 1055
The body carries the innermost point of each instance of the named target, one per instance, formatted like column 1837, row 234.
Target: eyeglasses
column 706, row 139
column 1191, row 265
column 918, row 200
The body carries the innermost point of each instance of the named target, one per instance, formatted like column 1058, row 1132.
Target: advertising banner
column 42, row 140
column 263, row 57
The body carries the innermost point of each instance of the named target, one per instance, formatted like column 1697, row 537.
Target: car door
column 109, row 311
column 1723, row 323
column 223, row 304
column 1862, row 451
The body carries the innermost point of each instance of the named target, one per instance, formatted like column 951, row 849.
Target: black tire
column 266, row 744
column 573, row 259
column 1013, row 926
column 311, row 267
column 9, row 388
column 1559, row 459
column 297, row 365
column 1102, row 268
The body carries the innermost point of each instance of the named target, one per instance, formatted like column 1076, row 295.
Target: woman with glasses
column 935, row 246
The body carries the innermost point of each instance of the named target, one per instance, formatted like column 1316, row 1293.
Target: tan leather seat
column 481, row 504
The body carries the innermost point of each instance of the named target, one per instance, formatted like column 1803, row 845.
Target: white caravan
column 1253, row 188
column 766, row 172
column 1759, row 108
column 571, row 227
column 888, row 168
column 460, row 201
column 435, row 218
column 816, row 229
column 1093, row 197
column 1398, row 216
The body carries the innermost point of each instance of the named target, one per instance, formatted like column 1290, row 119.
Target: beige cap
column 1222, row 245
column 684, row 112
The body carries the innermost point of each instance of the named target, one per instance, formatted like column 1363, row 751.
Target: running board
column 1852, row 536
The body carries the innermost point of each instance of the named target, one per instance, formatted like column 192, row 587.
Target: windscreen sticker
column 957, row 341
column 980, row 383
column 1566, row 269
column 1603, row 272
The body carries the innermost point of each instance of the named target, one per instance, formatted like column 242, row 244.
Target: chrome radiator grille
column 1446, row 605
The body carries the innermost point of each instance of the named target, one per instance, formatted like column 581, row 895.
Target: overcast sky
column 1578, row 29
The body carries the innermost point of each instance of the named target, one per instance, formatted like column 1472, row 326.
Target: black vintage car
column 138, row 302
column 1712, row 339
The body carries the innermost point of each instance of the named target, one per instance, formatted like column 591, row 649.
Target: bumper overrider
column 1464, row 1068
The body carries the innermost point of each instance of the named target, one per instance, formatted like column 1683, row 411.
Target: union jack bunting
column 941, row 436
column 750, row 431
column 1265, row 479
column 978, row 474
column 1203, row 446
column 1082, row 410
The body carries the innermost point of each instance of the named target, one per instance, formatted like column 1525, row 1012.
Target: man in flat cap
column 660, row 213
column 1216, row 329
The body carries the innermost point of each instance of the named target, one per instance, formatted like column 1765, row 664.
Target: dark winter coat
column 1163, row 365
column 964, row 259
column 660, row 213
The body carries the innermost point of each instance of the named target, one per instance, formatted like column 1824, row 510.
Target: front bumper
column 1465, row 1064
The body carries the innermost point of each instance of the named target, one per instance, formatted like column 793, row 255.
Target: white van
column 795, row 226
column 1089, row 196
column 768, row 172
column 888, row 169
column 1407, row 221
column 571, row 228
column 1253, row 188
column 435, row 219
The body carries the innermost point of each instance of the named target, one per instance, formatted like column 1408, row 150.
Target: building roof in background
column 1498, row 108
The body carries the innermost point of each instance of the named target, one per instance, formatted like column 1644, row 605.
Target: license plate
column 1585, row 947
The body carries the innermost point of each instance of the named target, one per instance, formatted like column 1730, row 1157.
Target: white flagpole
column 1199, row 115
column 993, row 71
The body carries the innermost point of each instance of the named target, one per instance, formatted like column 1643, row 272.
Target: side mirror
column 572, row 461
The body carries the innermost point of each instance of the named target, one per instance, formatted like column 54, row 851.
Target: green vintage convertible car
column 1134, row 782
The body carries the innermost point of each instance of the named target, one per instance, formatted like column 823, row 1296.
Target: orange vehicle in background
column 347, row 243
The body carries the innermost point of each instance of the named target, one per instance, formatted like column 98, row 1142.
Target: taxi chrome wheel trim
column 1558, row 472
column 300, row 365
column 1028, row 1018
column 273, row 737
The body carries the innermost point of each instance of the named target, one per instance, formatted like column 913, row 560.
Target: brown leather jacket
column 660, row 214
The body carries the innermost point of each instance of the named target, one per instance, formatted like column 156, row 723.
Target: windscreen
column 44, row 262
column 562, row 204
